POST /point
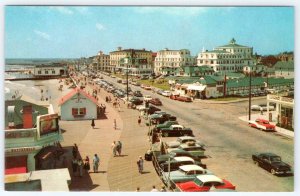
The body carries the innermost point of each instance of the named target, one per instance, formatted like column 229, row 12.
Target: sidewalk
column 265, row 115
column 116, row 173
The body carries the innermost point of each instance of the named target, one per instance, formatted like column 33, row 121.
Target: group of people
column 116, row 148
column 163, row 189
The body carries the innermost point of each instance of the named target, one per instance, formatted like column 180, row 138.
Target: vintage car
column 262, row 124
column 191, row 147
column 177, row 130
column 183, row 140
column 137, row 94
column 155, row 101
column 136, row 101
column 184, row 99
column 152, row 109
column 204, row 183
column 147, row 97
column 161, row 118
column 184, row 173
column 272, row 163
column 176, row 162
column 166, row 93
column 166, row 124
column 147, row 87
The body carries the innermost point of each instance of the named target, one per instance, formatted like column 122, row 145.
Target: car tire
column 165, row 134
column 273, row 172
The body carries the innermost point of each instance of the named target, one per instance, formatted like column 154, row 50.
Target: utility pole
column 250, row 95
column 224, row 90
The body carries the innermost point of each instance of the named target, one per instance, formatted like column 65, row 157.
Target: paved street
column 230, row 142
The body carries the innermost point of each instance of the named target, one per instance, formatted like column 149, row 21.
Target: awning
column 196, row 88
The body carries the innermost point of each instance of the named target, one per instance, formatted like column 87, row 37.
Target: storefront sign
column 47, row 124
column 22, row 149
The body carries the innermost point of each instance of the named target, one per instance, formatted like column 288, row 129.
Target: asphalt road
column 230, row 142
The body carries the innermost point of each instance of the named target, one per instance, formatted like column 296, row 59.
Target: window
column 77, row 112
column 39, row 72
column 53, row 72
column 46, row 72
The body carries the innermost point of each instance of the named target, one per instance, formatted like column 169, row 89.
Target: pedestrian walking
column 96, row 161
column 93, row 123
column 86, row 165
column 74, row 166
column 75, row 150
column 114, row 148
column 154, row 189
column 119, row 107
column 115, row 124
column 139, row 120
column 137, row 189
column 140, row 164
column 119, row 147
column 80, row 167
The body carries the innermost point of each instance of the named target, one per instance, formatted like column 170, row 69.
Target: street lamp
column 249, row 118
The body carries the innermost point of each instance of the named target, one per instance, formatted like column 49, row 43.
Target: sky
column 82, row 31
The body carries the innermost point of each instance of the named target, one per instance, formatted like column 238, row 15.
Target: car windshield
column 266, row 122
column 198, row 182
column 275, row 159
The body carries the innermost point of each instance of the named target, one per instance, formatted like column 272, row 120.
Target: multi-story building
column 171, row 59
column 116, row 56
column 138, row 67
column 284, row 69
column 228, row 58
column 101, row 62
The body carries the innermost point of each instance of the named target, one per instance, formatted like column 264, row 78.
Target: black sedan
column 272, row 163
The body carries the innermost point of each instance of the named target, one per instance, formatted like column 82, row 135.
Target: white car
column 262, row 107
column 147, row 97
column 166, row 93
column 183, row 140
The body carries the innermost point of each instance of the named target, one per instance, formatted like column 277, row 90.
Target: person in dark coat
column 93, row 123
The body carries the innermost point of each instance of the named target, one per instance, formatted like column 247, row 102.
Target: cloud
column 62, row 10
column 100, row 27
column 178, row 11
column 42, row 34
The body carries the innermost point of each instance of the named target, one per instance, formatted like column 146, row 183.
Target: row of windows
column 46, row 72
column 230, row 68
column 221, row 62
column 174, row 59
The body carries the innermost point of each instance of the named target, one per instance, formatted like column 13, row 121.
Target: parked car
column 161, row 118
column 152, row 109
column 119, row 80
column 175, row 163
column 262, row 124
column 155, row 101
column 166, row 93
column 185, row 173
column 136, row 101
column 176, row 130
column 272, row 163
column 184, row 140
column 159, row 92
column 184, row 99
column 262, row 107
column 147, row 87
column 137, row 94
column 204, row 183
column 124, row 81
column 166, row 124
column 147, row 97
column 191, row 147
column 179, row 153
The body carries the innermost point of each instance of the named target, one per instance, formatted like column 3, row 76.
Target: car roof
column 183, row 159
column 185, row 145
column 268, row 154
column 263, row 120
column 176, row 125
column 209, row 178
column 187, row 138
column 191, row 167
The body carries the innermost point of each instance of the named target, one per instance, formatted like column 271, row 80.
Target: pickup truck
column 176, row 130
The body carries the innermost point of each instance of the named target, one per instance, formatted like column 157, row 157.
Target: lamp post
column 249, row 118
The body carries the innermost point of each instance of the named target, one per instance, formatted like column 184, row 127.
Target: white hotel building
column 172, row 59
column 228, row 58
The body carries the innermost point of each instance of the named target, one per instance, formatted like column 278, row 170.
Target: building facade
column 101, row 62
column 115, row 57
column 284, row 69
column 49, row 71
column 78, row 105
column 171, row 59
column 228, row 58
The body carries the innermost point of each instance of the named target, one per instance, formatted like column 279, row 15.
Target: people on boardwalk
column 140, row 164
column 86, row 165
column 96, row 162
column 74, row 165
column 154, row 189
column 139, row 120
column 114, row 148
column 115, row 124
column 80, row 167
column 137, row 189
column 75, row 150
column 119, row 147
column 93, row 123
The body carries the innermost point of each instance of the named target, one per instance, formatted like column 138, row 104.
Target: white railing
column 280, row 99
